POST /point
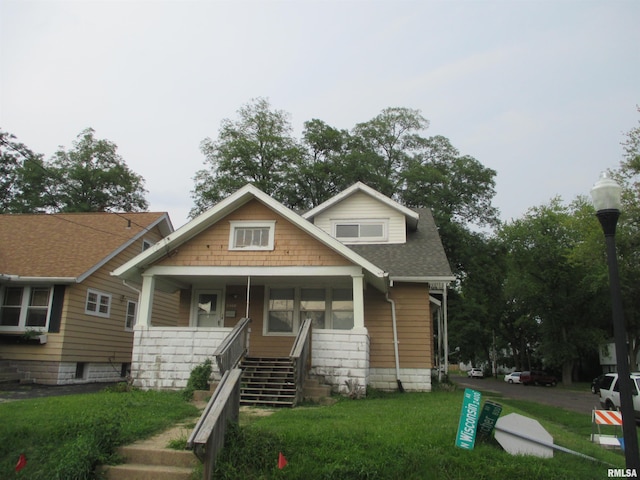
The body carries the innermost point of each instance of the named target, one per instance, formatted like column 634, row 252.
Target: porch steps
column 151, row 460
column 315, row 391
column 267, row 382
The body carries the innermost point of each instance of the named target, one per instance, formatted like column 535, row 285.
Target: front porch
column 163, row 357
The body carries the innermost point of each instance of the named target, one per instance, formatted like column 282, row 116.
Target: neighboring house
column 364, row 268
column 63, row 317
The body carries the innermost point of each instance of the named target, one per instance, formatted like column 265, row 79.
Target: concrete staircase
column 151, row 459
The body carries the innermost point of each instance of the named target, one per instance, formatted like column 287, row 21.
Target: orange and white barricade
column 606, row 420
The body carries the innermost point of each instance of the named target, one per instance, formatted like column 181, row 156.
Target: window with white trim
column 254, row 235
column 328, row 308
column 25, row 308
column 361, row 231
column 130, row 317
column 98, row 303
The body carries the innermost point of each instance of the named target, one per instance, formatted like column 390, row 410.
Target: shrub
column 199, row 379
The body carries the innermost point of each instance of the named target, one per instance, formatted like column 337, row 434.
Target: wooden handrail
column 233, row 347
column 207, row 438
column 300, row 356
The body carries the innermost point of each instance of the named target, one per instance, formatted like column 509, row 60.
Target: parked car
column 513, row 377
column 596, row 382
column 610, row 392
column 538, row 377
column 475, row 373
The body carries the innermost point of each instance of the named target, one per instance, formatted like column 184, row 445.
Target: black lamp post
column 606, row 200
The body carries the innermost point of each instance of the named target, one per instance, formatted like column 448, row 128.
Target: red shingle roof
column 66, row 244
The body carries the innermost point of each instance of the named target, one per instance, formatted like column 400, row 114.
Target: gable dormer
column 361, row 215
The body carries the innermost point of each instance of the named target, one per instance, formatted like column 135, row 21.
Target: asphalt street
column 569, row 399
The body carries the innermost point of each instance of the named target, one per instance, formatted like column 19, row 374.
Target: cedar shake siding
column 292, row 246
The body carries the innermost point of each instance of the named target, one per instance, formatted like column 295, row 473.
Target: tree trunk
column 567, row 370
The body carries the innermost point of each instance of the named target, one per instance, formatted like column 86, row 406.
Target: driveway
column 577, row 401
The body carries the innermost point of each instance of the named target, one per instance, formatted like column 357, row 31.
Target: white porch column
column 358, row 301
column 146, row 301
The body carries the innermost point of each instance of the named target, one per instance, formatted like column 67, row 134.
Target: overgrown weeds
column 198, row 379
column 64, row 438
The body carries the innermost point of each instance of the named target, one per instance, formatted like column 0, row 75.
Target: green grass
column 386, row 436
column 66, row 437
column 402, row 436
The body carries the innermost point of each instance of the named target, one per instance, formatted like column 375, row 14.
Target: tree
column 548, row 287
column 317, row 173
column 92, row 177
column 256, row 148
column 24, row 181
column 387, row 143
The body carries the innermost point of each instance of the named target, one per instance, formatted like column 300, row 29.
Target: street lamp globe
column 606, row 194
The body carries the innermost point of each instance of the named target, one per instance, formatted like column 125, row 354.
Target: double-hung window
column 328, row 308
column 98, row 304
column 254, row 235
column 25, row 308
column 130, row 317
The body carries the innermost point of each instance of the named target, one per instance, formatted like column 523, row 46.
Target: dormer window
column 257, row 235
column 360, row 231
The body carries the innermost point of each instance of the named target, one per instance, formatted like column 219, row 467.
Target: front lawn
column 386, row 436
column 66, row 437
column 402, row 436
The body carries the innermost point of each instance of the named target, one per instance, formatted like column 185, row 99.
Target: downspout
column 395, row 340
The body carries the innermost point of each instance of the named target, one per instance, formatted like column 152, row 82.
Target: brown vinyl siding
column 292, row 246
column 89, row 338
column 413, row 317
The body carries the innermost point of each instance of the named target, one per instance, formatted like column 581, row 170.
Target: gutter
column 57, row 280
column 395, row 340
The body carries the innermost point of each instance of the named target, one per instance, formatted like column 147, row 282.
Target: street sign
column 488, row 418
column 521, row 435
column 466, row 436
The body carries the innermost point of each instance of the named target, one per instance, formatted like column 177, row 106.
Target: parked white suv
column 610, row 392
column 475, row 372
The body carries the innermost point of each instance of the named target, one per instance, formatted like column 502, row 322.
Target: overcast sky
column 540, row 91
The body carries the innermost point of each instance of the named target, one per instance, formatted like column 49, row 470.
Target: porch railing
column 301, row 357
column 207, row 438
column 233, row 347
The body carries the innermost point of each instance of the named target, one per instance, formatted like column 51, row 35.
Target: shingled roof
column 69, row 245
column 421, row 257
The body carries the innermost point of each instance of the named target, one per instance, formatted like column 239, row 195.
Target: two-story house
column 370, row 273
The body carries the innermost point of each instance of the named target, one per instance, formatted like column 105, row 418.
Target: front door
column 208, row 309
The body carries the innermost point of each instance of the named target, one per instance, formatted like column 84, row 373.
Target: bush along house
column 63, row 318
column 366, row 274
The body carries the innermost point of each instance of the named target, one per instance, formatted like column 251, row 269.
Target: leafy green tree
column 92, row 177
column 256, row 148
column 24, row 182
column 387, row 143
column 627, row 240
column 318, row 173
column 548, row 286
